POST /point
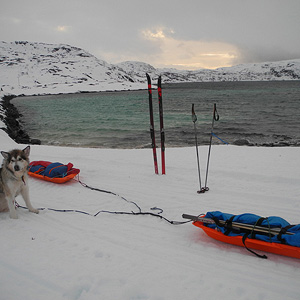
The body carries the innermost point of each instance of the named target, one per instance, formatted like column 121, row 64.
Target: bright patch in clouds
column 189, row 54
column 158, row 34
column 62, row 28
column 16, row 20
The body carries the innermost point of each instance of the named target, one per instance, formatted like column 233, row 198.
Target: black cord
column 108, row 192
column 139, row 213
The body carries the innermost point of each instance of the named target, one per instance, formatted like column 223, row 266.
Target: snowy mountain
column 39, row 68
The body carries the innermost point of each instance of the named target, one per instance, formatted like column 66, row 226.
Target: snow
column 39, row 68
column 28, row 68
column 70, row 255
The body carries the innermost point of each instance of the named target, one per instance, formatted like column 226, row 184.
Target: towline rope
column 139, row 213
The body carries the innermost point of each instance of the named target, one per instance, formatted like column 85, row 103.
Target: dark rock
column 35, row 142
column 241, row 142
column 13, row 126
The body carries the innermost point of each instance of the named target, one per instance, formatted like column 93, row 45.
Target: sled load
column 53, row 172
column 271, row 234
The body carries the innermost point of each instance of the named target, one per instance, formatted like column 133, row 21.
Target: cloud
column 188, row 54
column 266, row 53
column 191, row 34
column 62, row 28
column 159, row 34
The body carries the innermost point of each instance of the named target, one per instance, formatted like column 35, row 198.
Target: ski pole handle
column 194, row 117
column 190, row 217
column 197, row 218
column 216, row 115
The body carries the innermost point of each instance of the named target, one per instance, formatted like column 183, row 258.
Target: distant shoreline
column 11, row 120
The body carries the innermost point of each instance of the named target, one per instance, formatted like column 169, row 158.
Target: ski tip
column 159, row 80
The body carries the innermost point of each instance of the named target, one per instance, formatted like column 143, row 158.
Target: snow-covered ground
column 57, row 255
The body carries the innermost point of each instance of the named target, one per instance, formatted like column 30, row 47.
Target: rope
column 107, row 192
column 139, row 213
column 219, row 138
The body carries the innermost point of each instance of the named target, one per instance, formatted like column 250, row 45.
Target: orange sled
column 276, row 248
column 55, row 179
column 37, row 169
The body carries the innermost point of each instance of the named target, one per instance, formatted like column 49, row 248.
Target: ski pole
column 194, row 118
column 215, row 118
column 236, row 225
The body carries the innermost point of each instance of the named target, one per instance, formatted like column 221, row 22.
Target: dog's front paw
column 34, row 210
column 13, row 215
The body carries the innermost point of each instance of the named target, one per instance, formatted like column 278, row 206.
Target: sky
column 184, row 34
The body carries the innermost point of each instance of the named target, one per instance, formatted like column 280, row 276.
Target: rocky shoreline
column 11, row 120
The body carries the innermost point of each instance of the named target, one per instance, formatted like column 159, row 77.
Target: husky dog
column 14, row 180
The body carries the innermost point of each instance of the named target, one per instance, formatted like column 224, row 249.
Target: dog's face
column 17, row 161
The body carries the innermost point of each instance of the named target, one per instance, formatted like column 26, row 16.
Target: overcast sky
column 188, row 34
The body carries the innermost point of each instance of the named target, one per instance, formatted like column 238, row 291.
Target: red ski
column 162, row 132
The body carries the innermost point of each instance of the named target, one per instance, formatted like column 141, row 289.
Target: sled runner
column 53, row 172
column 272, row 234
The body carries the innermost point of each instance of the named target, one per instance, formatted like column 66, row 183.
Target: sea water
column 251, row 113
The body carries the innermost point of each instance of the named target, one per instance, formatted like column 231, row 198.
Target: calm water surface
column 252, row 113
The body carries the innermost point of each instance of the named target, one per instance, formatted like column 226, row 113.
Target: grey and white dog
column 14, row 180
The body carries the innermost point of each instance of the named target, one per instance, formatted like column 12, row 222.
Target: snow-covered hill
column 283, row 70
column 39, row 68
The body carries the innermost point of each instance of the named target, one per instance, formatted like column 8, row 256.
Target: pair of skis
column 152, row 131
column 194, row 118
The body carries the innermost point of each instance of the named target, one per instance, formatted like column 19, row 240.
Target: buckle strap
column 283, row 231
column 253, row 252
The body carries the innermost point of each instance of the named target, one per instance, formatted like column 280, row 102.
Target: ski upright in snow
column 152, row 133
column 162, row 132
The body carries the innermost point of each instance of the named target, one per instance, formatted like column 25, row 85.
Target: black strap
column 283, row 231
column 258, row 223
column 217, row 222
column 228, row 225
column 252, row 236
column 253, row 252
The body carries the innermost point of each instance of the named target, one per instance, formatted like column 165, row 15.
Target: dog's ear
column 5, row 155
column 26, row 151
